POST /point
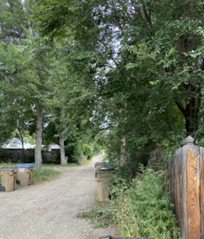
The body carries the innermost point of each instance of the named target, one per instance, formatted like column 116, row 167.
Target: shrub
column 43, row 174
column 140, row 208
column 88, row 150
column 143, row 209
column 100, row 214
column 73, row 151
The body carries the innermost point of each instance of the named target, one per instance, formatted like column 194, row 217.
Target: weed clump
column 40, row 175
column 100, row 214
column 140, row 208
column 143, row 209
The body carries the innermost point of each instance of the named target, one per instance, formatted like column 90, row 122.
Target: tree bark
column 62, row 151
column 192, row 109
column 122, row 158
column 23, row 151
column 22, row 142
column 38, row 153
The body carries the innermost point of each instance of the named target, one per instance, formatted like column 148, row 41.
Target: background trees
column 131, row 67
column 141, row 61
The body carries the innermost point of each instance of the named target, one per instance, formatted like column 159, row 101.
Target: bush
column 43, row 174
column 143, row 209
column 100, row 214
column 88, row 150
column 73, row 151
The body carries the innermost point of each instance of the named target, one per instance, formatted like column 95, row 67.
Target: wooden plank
column 172, row 178
column 183, row 162
column 176, row 187
column 180, row 192
column 193, row 209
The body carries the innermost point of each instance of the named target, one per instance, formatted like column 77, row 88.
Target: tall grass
column 141, row 208
column 40, row 175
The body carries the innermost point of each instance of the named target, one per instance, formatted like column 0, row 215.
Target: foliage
column 135, row 65
column 88, row 150
column 100, row 214
column 141, row 208
column 144, row 208
column 43, row 174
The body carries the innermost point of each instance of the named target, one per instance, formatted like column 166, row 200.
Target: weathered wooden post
column 186, row 172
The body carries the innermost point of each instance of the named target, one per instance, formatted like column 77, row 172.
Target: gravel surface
column 49, row 210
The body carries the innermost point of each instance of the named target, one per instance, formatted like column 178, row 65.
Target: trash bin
column 98, row 165
column 80, row 160
column 66, row 158
column 8, row 178
column 85, row 158
column 25, row 173
column 102, row 175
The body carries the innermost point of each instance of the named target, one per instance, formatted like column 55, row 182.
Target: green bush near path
column 100, row 214
column 140, row 208
column 40, row 175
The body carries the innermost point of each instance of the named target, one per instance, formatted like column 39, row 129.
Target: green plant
column 100, row 214
column 43, row 174
column 143, row 208
column 88, row 150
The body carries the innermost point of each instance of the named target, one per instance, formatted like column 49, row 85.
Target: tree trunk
column 23, row 151
column 22, row 142
column 192, row 109
column 62, row 152
column 191, row 116
column 122, row 158
column 38, row 154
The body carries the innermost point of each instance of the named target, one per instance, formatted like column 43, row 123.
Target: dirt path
column 48, row 210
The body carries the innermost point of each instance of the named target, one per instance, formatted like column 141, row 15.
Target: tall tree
column 143, row 60
column 24, row 63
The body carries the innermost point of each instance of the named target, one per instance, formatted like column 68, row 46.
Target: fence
column 16, row 155
column 186, row 172
column 144, row 157
column 186, row 175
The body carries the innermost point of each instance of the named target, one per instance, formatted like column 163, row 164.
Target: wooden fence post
column 186, row 172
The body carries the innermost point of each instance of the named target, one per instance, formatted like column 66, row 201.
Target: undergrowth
column 144, row 208
column 140, row 208
column 100, row 214
column 43, row 174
